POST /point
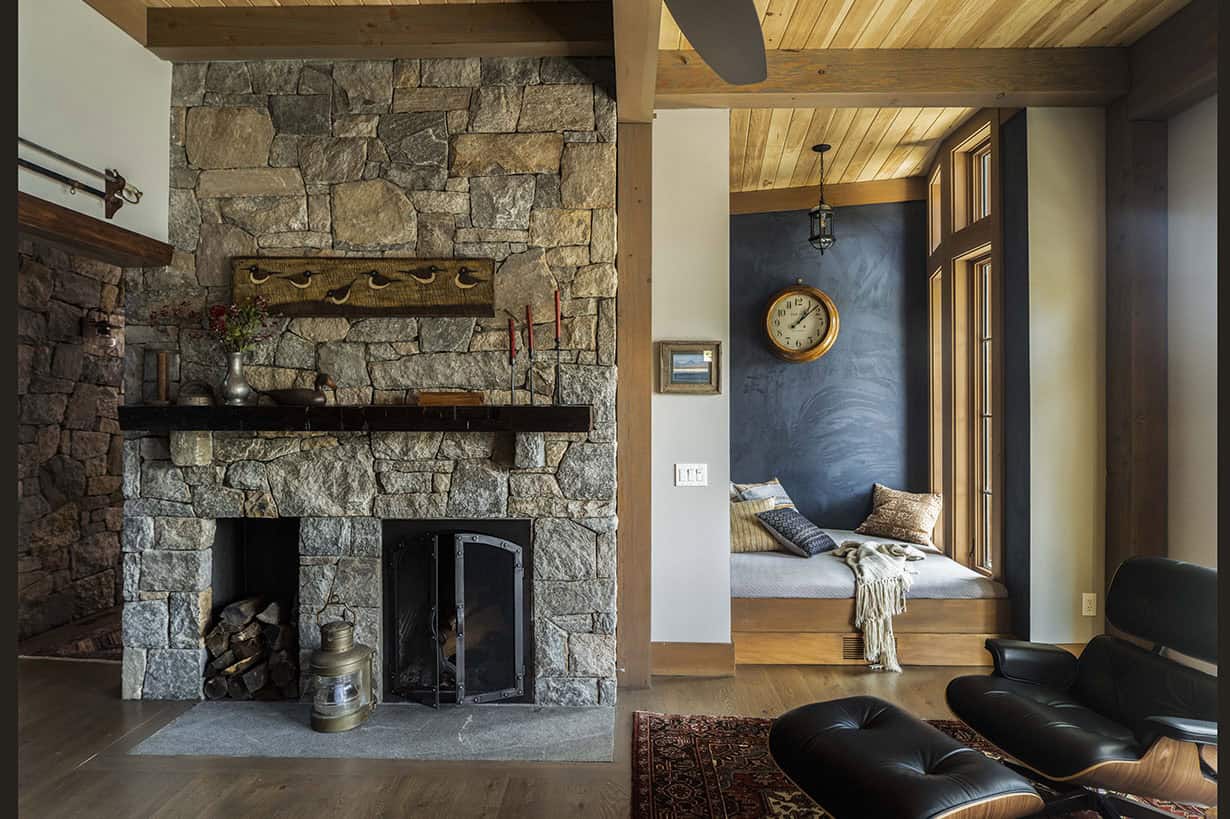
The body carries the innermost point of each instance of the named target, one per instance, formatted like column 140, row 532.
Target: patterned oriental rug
column 702, row 766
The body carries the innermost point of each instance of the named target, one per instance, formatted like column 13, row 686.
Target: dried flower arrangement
column 240, row 326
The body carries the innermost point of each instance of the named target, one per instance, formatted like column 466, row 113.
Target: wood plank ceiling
column 771, row 148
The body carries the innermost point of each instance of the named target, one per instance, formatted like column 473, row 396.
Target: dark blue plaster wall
column 831, row 428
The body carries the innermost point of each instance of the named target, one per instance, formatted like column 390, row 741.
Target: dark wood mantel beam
column 889, row 78
column 86, row 236
column 483, row 30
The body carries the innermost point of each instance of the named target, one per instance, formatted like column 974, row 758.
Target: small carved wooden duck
column 300, row 397
column 256, row 275
column 339, row 295
column 377, row 280
column 423, row 275
column 465, row 279
column 301, row 279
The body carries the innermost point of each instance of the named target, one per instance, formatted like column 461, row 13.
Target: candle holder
column 512, row 362
column 558, row 320
column 529, row 346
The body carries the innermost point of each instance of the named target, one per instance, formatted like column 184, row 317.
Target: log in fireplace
column 457, row 604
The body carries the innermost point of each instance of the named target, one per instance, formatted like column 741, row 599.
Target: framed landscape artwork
column 690, row 367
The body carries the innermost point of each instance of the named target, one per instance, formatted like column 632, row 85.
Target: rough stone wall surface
column 68, row 441
column 511, row 159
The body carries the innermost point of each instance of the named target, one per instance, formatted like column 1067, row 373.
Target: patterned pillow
column 769, row 489
column 796, row 533
column 903, row 516
column 746, row 533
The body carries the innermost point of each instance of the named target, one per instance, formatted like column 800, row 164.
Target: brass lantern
column 821, row 233
column 340, row 679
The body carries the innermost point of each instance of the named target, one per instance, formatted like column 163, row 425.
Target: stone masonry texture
column 511, row 159
column 69, row 383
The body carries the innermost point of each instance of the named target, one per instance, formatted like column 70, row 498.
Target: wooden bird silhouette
column 377, row 280
column 423, row 275
column 256, row 275
column 340, row 295
column 301, row 279
column 465, row 279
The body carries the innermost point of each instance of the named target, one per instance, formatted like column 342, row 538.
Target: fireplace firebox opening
column 251, row 636
column 457, row 611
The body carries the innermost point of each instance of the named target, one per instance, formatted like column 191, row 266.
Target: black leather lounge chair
column 1123, row 717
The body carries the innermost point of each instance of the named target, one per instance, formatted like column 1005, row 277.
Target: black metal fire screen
column 456, row 627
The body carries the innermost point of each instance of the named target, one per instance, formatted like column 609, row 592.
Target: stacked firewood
column 252, row 653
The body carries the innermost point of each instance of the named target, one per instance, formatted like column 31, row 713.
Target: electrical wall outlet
column 691, row 474
column 1089, row 604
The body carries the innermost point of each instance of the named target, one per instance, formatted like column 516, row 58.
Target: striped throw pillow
column 746, row 532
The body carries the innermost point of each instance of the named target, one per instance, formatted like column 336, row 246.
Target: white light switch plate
column 691, row 474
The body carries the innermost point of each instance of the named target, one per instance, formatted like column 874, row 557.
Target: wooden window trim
column 964, row 177
column 935, row 210
column 963, row 243
column 935, row 366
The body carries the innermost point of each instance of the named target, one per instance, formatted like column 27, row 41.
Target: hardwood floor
column 74, row 732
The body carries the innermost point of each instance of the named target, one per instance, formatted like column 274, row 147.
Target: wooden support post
column 634, row 343
column 1136, row 390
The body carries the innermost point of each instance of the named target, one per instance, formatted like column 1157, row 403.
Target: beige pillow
column 747, row 534
column 772, row 489
column 902, row 516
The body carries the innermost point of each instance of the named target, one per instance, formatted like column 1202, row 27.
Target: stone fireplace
column 335, row 484
column 510, row 159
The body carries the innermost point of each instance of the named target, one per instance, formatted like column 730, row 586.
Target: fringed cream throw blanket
column 881, row 581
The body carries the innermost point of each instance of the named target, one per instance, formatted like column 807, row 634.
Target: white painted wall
column 89, row 91
column 691, row 300
column 1192, row 333
column 1067, row 299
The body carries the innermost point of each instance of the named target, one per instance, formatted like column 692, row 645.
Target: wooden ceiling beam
column 128, row 15
column 842, row 195
column 914, row 77
column 637, row 24
column 1175, row 65
column 549, row 29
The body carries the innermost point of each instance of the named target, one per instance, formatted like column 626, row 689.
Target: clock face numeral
column 800, row 322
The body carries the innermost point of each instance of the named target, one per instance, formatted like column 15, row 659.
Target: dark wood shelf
column 86, row 236
column 391, row 418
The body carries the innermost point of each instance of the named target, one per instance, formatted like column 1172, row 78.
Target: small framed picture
column 690, row 367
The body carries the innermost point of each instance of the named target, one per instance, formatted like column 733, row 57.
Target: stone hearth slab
column 526, row 733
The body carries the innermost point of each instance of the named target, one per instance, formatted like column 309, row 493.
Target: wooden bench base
column 790, row 631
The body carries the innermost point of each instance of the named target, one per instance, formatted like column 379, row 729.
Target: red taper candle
column 512, row 340
column 529, row 330
column 557, row 318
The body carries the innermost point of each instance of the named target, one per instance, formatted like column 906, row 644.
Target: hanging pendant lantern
column 821, row 233
column 340, row 680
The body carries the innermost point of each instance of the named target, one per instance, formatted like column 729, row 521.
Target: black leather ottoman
column 864, row 758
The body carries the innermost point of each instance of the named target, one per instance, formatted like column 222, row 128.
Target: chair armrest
column 1183, row 729
column 1037, row 663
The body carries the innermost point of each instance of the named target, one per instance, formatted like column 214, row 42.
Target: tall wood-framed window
column 986, row 539
column 965, row 312
column 935, row 330
column 980, row 180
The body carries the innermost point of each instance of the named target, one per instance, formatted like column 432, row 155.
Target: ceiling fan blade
column 726, row 34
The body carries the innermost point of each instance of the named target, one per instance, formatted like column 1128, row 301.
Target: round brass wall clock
column 801, row 323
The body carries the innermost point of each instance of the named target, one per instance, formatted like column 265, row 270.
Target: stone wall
column 68, row 442
column 511, row 159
